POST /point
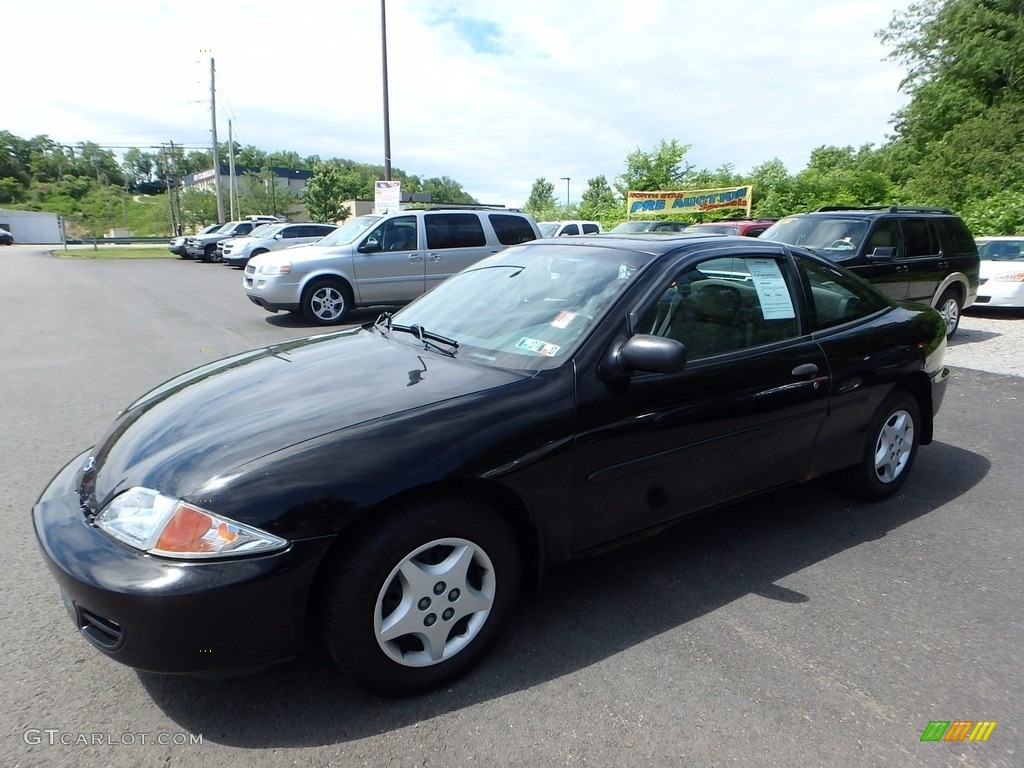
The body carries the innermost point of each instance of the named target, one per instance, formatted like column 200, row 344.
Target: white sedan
column 1002, row 272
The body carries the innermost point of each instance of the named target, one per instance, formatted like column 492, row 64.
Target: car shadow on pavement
column 588, row 612
column 360, row 316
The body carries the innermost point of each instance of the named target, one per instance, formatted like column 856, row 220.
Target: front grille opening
column 103, row 633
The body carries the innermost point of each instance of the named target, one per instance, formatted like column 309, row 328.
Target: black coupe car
column 392, row 488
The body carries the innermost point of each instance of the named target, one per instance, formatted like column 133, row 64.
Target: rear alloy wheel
column 210, row 253
column 949, row 308
column 416, row 602
column 326, row 302
column 889, row 448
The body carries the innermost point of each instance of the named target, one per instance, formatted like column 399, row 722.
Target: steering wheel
column 840, row 245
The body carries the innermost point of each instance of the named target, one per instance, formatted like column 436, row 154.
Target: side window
column 398, row 234
column 570, row 229
column 290, row 233
column 725, row 304
column 885, row 235
column 511, row 230
column 243, row 229
column 835, row 297
column 590, row 229
column 921, row 238
column 960, row 238
column 453, row 230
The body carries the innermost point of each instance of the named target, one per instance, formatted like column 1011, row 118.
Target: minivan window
column 511, row 230
column 454, row 230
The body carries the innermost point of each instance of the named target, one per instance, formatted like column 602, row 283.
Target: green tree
column 541, row 202
column 963, row 57
column 599, row 203
column 446, row 190
column 325, row 192
column 664, row 168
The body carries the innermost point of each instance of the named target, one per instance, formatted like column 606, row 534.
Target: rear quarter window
column 511, row 230
column 960, row 237
column 454, row 230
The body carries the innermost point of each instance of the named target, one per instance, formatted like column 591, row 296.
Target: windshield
column 818, row 233
column 528, row 306
column 713, row 229
column 547, row 228
column 267, row 230
column 348, row 231
column 633, row 226
column 1001, row 250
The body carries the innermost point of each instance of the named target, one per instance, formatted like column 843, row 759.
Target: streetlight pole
column 566, row 179
column 387, row 118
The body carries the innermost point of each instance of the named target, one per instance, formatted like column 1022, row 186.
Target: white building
column 31, row 227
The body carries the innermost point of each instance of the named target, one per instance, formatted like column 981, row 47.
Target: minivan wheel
column 949, row 308
column 416, row 601
column 326, row 301
column 890, row 447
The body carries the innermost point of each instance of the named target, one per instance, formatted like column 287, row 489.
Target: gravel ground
column 989, row 340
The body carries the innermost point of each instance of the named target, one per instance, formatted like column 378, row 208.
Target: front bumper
column 173, row 616
column 273, row 292
column 1000, row 293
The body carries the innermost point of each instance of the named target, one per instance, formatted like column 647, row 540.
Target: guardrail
column 95, row 241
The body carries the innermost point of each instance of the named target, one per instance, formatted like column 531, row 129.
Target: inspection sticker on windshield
column 540, row 347
column 563, row 320
column 776, row 303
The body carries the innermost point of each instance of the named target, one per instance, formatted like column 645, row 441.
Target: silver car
column 388, row 259
column 271, row 237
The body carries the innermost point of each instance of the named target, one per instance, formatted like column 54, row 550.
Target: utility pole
column 216, row 158
column 232, row 184
column 566, row 179
column 387, row 118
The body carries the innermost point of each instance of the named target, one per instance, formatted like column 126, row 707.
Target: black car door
column 924, row 261
column 742, row 416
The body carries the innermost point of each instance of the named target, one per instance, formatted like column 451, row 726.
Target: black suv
column 921, row 254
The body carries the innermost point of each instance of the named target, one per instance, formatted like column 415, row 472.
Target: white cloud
column 494, row 95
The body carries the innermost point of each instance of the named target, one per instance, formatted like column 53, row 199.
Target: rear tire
column 416, row 601
column 950, row 309
column 890, row 447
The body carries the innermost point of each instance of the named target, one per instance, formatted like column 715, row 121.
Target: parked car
column 636, row 227
column 921, row 254
column 741, row 227
column 392, row 487
column 177, row 244
column 271, row 237
column 6, row 238
column 204, row 246
column 380, row 260
column 1002, row 271
column 560, row 228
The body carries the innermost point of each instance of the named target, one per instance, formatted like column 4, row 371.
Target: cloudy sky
column 493, row 94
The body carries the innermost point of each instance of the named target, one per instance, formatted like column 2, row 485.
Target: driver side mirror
column 644, row 353
column 370, row 245
column 882, row 253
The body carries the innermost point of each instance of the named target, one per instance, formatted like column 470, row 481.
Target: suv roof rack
column 887, row 209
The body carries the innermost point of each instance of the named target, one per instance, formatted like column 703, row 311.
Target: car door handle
column 434, row 256
column 805, row 371
column 415, row 257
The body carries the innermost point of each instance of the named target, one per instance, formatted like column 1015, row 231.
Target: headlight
column 274, row 268
column 162, row 525
column 1009, row 277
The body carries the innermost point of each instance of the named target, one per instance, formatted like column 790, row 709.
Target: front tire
column 415, row 602
column 950, row 309
column 889, row 448
column 326, row 302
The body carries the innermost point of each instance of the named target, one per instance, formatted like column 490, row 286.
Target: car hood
column 204, row 425
column 989, row 268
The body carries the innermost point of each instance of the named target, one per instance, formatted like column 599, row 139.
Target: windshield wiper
column 427, row 338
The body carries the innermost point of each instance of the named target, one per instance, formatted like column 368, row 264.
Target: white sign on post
column 387, row 197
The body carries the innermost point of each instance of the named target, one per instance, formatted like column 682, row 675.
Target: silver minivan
column 384, row 260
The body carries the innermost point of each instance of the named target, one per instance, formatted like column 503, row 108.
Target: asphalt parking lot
column 798, row 629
